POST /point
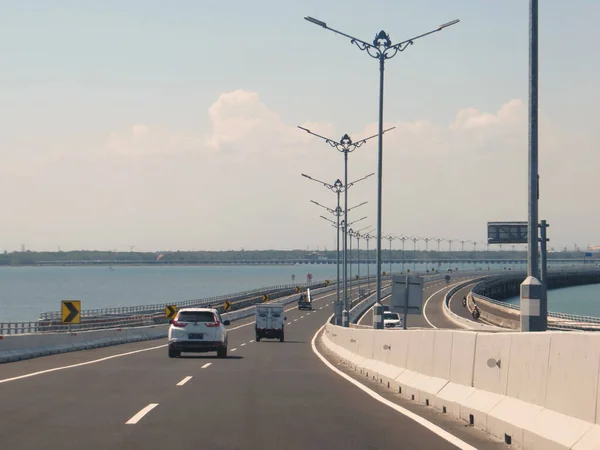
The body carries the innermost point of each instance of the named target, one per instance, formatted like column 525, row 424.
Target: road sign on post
column 170, row 311
column 507, row 232
column 227, row 305
column 70, row 311
column 407, row 300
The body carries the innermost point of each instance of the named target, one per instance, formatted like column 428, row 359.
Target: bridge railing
column 572, row 319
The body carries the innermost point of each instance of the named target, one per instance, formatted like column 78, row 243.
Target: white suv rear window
column 196, row 316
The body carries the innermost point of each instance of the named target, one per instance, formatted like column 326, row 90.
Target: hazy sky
column 172, row 124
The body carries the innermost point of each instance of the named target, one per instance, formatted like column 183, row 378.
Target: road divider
column 531, row 390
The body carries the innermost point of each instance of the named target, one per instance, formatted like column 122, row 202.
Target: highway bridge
column 351, row 260
column 269, row 395
column 263, row 396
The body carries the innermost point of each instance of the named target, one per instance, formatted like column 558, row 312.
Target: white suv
column 198, row 330
column 391, row 320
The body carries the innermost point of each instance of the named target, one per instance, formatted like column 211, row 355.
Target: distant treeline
column 33, row 258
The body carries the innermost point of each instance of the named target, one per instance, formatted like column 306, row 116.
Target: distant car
column 391, row 320
column 304, row 303
column 198, row 330
column 386, row 307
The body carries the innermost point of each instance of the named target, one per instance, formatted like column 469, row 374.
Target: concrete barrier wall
column 536, row 390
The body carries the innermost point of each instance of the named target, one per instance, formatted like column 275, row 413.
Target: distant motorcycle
column 464, row 301
column 476, row 313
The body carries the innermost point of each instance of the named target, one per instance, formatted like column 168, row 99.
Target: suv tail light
column 178, row 324
column 213, row 324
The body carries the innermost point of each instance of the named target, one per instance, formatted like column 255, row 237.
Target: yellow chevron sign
column 170, row 311
column 70, row 311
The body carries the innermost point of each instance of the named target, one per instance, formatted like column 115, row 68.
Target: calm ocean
column 25, row 292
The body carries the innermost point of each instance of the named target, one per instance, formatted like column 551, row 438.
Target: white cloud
column 240, row 185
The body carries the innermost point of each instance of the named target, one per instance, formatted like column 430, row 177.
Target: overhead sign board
column 70, row 311
column 401, row 298
column 507, row 232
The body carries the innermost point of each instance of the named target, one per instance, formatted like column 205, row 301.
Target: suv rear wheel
column 222, row 352
column 173, row 353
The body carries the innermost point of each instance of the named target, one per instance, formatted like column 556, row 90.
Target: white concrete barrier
column 534, row 390
column 25, row 346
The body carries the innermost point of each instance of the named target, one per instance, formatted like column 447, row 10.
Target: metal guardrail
column 124, row 310
column 555, row 315
column 12, row 328
column 154, row 316
column 140, row 315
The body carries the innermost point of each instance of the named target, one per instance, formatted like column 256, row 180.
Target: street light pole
column 368, row 237
column 381, row 49
column 338, row 188
column 345, row 146
column 415, row 239
column 532, row 293
column 390, row 238
column 403, row 239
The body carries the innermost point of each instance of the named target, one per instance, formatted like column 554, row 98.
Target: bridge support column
column 378, row 316
column 345, row 319
column 337, row 311
column 531, row 311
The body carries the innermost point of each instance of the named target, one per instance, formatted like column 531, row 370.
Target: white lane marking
column 365, row 315
column 252, row 341
column 321, row 308
column 205, row 365
column 430, row 297
column 405, row 412
column 135, row 419
column 243, row 344
column 185, row 380
column 80, row 364
column 289, row 323
column 301, row 317
column 233, row 349
column 295, row 320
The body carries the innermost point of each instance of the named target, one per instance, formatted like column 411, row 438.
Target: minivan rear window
column 196, row 316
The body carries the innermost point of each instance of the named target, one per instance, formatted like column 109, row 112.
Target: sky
column 158, row 125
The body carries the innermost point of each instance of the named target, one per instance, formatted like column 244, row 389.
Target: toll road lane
column 35, row 365
column 262, row 397
column 105, row 394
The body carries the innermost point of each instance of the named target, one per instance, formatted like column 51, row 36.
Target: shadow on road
column 210, row 357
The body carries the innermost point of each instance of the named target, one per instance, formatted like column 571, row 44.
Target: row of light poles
column 381, row 49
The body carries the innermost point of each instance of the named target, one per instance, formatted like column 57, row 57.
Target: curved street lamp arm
column 327, row 185
column 332, row 211
column 360, row 179
column 329, row 220
column 354, row 207
column 357, row 220
column 324, row 25
column 329, row 141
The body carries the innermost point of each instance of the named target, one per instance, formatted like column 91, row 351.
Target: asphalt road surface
column 266, row 395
